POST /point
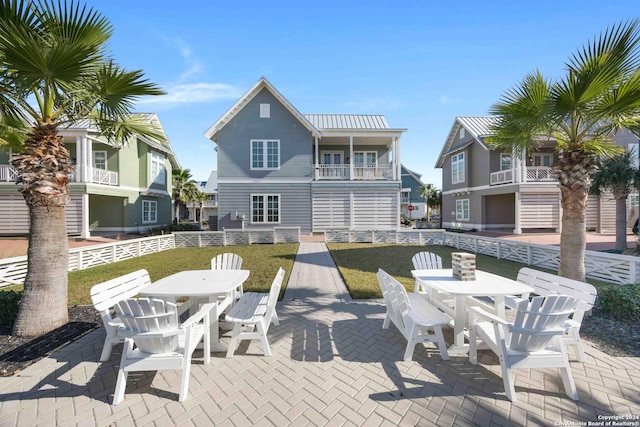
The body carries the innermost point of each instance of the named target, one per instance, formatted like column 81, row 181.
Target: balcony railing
column 343, row 172
column 99, row 176
column 533, row 174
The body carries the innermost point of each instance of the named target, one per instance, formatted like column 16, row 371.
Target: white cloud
column 445, row 100
column 190, row 93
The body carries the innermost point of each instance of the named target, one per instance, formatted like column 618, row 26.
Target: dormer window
column 265, row 111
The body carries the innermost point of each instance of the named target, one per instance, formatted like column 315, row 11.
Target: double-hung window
column 100, row 160
column 149, row 211
column 158, row 171
column 365, row 158
column 462, row 210
column 457, row 168
column 265, row 154
column 265, row 208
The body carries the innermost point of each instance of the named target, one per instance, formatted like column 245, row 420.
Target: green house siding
column 106, row 211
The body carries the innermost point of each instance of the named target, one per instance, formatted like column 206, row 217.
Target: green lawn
column 262, row 260
column 357, row 263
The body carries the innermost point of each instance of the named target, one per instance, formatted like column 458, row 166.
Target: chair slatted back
column 143, row 315
column 426, row 261
column 274, row 293
column 535, row 320
column 549, row 284
column 226, row 261
column 396, row 300
column 105, row 295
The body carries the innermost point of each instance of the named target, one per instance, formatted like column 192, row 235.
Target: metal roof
column 347, row 121
column 478, row 126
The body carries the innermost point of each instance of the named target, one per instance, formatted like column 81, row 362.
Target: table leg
column 216, row 345
column 459, row 347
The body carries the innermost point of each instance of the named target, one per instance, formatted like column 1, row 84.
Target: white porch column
column 516, row 167
column 316, row 171
column 79, row 158
column 396, row 156
column 518, row 201
column 88, row 166
column 523, row 169
column 85, row 233
column 351, row 159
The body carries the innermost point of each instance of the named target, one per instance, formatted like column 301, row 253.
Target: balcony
column 532, row 174
column 362, row 173
column 99, row 176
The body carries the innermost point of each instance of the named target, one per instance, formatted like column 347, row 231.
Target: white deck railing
column 610, row 268
column 14, row 270
column 99, row 176
column 360, row 172
column 533, row 174
column 7, row 173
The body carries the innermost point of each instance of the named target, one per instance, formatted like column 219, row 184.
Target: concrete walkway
column 332, row 364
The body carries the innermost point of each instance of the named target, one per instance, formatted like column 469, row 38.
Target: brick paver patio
column 332, row 364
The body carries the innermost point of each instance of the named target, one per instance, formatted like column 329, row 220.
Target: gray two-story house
column 278, row 167
column 488, row 189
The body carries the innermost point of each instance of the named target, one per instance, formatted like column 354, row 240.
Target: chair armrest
column 476, row 312
column 512, row 301
column 157, row 334
column 199, row 315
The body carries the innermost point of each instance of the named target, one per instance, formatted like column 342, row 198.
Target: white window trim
column 461, row 217
column 542, row 156
column 161, row 176
column 154, row 211
column 510, row 161
column 106, row 161
column 455, row 179
column 331, row 152
column 264, row 154
column 364, row 157
column 265, row 213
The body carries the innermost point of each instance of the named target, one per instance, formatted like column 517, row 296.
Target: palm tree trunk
column 621, row 224
column 573, row 239
column 43, row 173
column 44, row 299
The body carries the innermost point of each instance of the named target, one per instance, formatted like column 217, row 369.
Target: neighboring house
column 210, row 206
column 487, row 189
column 278, row 167
column 114, row 189
column 410, row 195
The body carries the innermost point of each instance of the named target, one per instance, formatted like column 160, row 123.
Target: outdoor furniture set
column 145, row 317
column 537, row 337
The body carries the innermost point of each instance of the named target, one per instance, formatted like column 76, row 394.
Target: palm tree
column 182, row 184
column 197, row 198
column 426, row 192
column 599, row 94
column 618, row 175
column 54, row 70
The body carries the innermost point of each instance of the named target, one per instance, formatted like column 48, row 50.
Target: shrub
column 9, row 303
column 621, row 302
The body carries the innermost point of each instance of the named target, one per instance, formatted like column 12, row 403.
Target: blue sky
column 420, row 63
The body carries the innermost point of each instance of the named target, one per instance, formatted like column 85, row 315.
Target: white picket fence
column 610, row 268
column 14, row 270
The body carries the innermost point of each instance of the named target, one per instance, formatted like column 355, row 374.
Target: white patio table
column 485, row 285
column 216, row 285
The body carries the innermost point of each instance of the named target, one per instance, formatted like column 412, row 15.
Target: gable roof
column 406, row 171
column 263, row 83
column 164, row 146
column 478, row 128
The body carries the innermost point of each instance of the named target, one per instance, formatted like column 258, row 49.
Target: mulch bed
column 611, row 336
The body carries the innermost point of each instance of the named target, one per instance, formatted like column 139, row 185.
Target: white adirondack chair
column 532, row 340
column 228, row 261
column 151, row 325
column 255, row 311
column 425, row 261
